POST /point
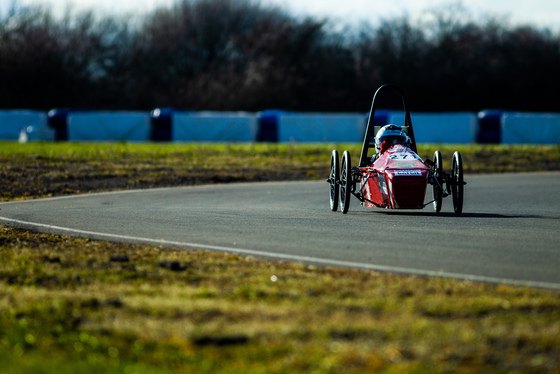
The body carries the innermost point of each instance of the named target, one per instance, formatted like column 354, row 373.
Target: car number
column 403, row 156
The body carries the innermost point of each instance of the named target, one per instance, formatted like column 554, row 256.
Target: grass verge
column 74, row 305
column 46, row 169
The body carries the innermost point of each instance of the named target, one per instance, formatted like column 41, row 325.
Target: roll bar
column 369, row 138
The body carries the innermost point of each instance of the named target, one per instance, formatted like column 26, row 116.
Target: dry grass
column 73, row 305
column 130, row 308
column 42, row 169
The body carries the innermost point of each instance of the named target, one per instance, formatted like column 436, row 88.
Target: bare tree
column 241, row 55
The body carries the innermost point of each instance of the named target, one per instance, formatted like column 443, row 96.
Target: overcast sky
column 541, row 13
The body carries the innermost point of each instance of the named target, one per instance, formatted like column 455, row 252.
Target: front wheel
column 437, row 186
column 457, row 183
column 333, row 180
column 345, row 182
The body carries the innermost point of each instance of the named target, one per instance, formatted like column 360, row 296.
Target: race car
column 395, row 177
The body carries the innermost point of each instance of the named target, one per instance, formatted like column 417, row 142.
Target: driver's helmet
column 390, row 135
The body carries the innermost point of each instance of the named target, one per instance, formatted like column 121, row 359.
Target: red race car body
column 396, row 180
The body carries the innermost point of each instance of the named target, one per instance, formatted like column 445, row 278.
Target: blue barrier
column 381, row 117
column 489, row 126
column 530, row 128
column 454, row 127
column 214, row 127
column 57, row 121
column 162, row 124
column 321, row 127
column 23, row 125
column 268, row 125
column 109, row 126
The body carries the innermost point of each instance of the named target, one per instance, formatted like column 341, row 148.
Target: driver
column 388, row 136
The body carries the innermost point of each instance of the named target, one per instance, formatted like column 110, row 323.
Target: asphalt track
column 509, row 231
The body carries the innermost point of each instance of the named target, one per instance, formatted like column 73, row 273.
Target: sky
column 541, row 13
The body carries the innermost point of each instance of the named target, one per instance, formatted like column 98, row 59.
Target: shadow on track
column 409, row 213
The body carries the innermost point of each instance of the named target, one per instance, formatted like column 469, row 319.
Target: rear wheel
column 345, row 182
column 437, row 186
column 457, row 183
column 333, row 180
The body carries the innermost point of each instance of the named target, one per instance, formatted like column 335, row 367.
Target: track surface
column 509, row 231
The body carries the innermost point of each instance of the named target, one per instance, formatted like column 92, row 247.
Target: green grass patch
column 74, row 305
column 47, row 169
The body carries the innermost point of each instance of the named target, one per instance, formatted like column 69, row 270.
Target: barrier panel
column 162, row 123
column 268, row 125
column 24, row 125
column 214, row 127
column 453, row 128
column 58, row 120
column 531, row 128
column 381, row 117
column 109, row 126
column 489, row 126
column 321, row 127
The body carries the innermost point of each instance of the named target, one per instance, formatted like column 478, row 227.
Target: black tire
column 437, row 187
column 457, row 183
column 345, row 181
column 333, row 180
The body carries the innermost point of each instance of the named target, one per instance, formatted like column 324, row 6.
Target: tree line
column 242, row 55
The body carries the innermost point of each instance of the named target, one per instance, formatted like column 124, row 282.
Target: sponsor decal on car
column 407, row 165
column 408, row 172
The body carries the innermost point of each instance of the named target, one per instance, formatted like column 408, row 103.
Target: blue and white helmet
column 390, row 133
